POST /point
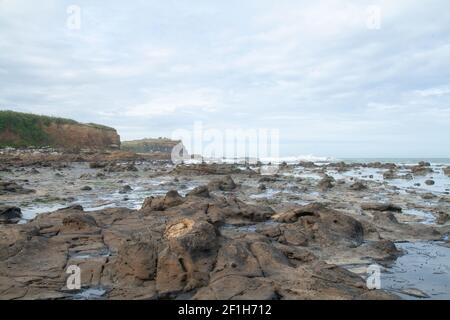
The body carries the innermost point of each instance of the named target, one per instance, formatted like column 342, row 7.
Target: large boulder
column 235, row 258
column 231, row 210
column 171, row 199
column 223, row 184
column 316, row 223
column 421, row 170
column 136, row 260
column 189, row 257
column 326, row 183
column 201, row 191
column 242, row 271
column 200, row 204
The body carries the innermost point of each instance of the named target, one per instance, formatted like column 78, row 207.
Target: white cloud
column 312, row 69
column 166, row 103
column 432, row 92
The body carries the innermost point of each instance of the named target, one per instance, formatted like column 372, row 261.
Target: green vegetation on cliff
column 19, row 129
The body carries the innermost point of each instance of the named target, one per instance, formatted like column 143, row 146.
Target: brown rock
column 229, row 210
column 392, row 174
column 386, row 246
column 188, row 259
column 201, row 191
column 421, row 170
column 235, row 258
column 78, row 222
column 224, row 184
column 293, row 215
column 178, row 253
column 326, row 183
column 136, row 260
column 238, row 288
column 171, row 199
column 91, row 270
column 317, row 223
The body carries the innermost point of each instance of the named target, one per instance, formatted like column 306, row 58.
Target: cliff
column 24, row 130
column 161, row 145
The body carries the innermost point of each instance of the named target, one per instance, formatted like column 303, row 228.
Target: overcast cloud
column 332, row 83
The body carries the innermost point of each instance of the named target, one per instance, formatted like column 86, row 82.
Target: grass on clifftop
column 100, row 126
column 29, row 128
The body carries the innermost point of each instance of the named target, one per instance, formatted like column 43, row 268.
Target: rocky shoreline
column 142, row 228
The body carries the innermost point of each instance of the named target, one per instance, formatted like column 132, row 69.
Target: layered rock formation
column 180, row 247
column 25, row 130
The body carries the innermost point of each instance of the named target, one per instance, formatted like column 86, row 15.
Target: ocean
column 433, row 161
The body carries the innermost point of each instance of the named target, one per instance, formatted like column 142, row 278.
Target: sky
column 335, row 78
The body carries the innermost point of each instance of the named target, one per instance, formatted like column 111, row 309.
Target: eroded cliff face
column 19, row 129
column 82, row 136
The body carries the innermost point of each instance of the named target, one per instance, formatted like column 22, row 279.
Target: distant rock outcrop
column 28, row 130
column 160, row 145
